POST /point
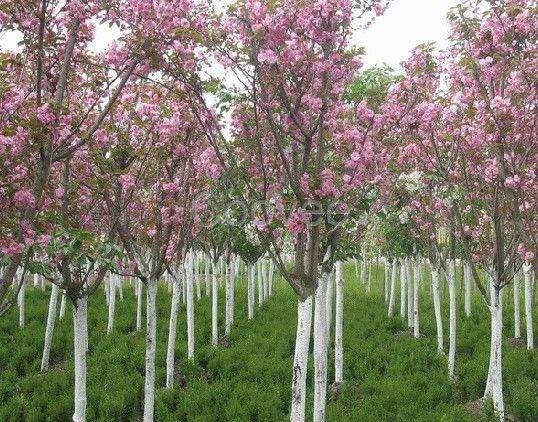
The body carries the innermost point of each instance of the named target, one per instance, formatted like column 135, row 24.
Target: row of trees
column 118, row 162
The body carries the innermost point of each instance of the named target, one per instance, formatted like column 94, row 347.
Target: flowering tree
column 470, row 141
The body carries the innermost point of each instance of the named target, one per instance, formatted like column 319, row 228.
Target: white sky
column 404, row 25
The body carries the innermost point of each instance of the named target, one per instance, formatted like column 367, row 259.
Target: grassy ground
column 388, row 376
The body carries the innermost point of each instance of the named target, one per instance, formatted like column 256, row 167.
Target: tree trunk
column 50, row 327
column 494, row 388
column 139, row 305
column 21, row 298
column 172, row 330
column 80, row 340
column 151, row 340
column 392, row 296
column 250, row 290
column 468, row 287
column 527, row 270
column 403, row 288
column 300, row 359
column 437, row 309
column 452, row 325
column 320, row 350
column 62, row 306
column 329, row 297
column 190, row 306
column 409, row 277
column 111, row 303
column 260, row 282
column 416, row 285
column 271, row 277
column 214, row 303
column 517, row 311
column 229, row 298
column 339, row 325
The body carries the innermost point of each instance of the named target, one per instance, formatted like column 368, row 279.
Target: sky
column 406, row 24
column 389, row 39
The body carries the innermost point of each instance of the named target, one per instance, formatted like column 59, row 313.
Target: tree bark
column 329, row 297
column 190, row 306
column 527, row 270
column 437, row 309
column 302, row 343
column 494, row 387
column 468, row 287
column 409, row 277
column 453, row 321
column 339, row 325
column 392, row 296
column 229, row 298
column 62, row 306
column 111, row 303
column 320, row 350
column 50, row 328
column 250, row 290
column 214, row 304
column 139, row 305
column 403, row 288
column 416, row 285
column 80, row 323
column 172, row 330
column 151, row 340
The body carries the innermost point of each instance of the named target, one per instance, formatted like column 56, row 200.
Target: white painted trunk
column 339, row 325
column 403, row 288
column 409, row 278
column 250, row 291
column 452, row 320
column 468, row 287
column 271, row 277
column 260, row 282
column 214, row 304
column 329, row 298
column 416, row 285
column 62, row 305
column 139, row 305
column 172, row 330
column 527, row 270
column 300, row 359
column 229, row 299
column 111, row 303
column 494, row 388
column 190, row 307
column 22, row 304
column 80, row 345
column 50, row 327
column 151, row 343
column 392, row 296
column 517, row 309
column 266, row 280
column 320, row 350
column 437, row 309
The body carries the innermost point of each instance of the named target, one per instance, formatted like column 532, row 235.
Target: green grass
column 387, row 377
